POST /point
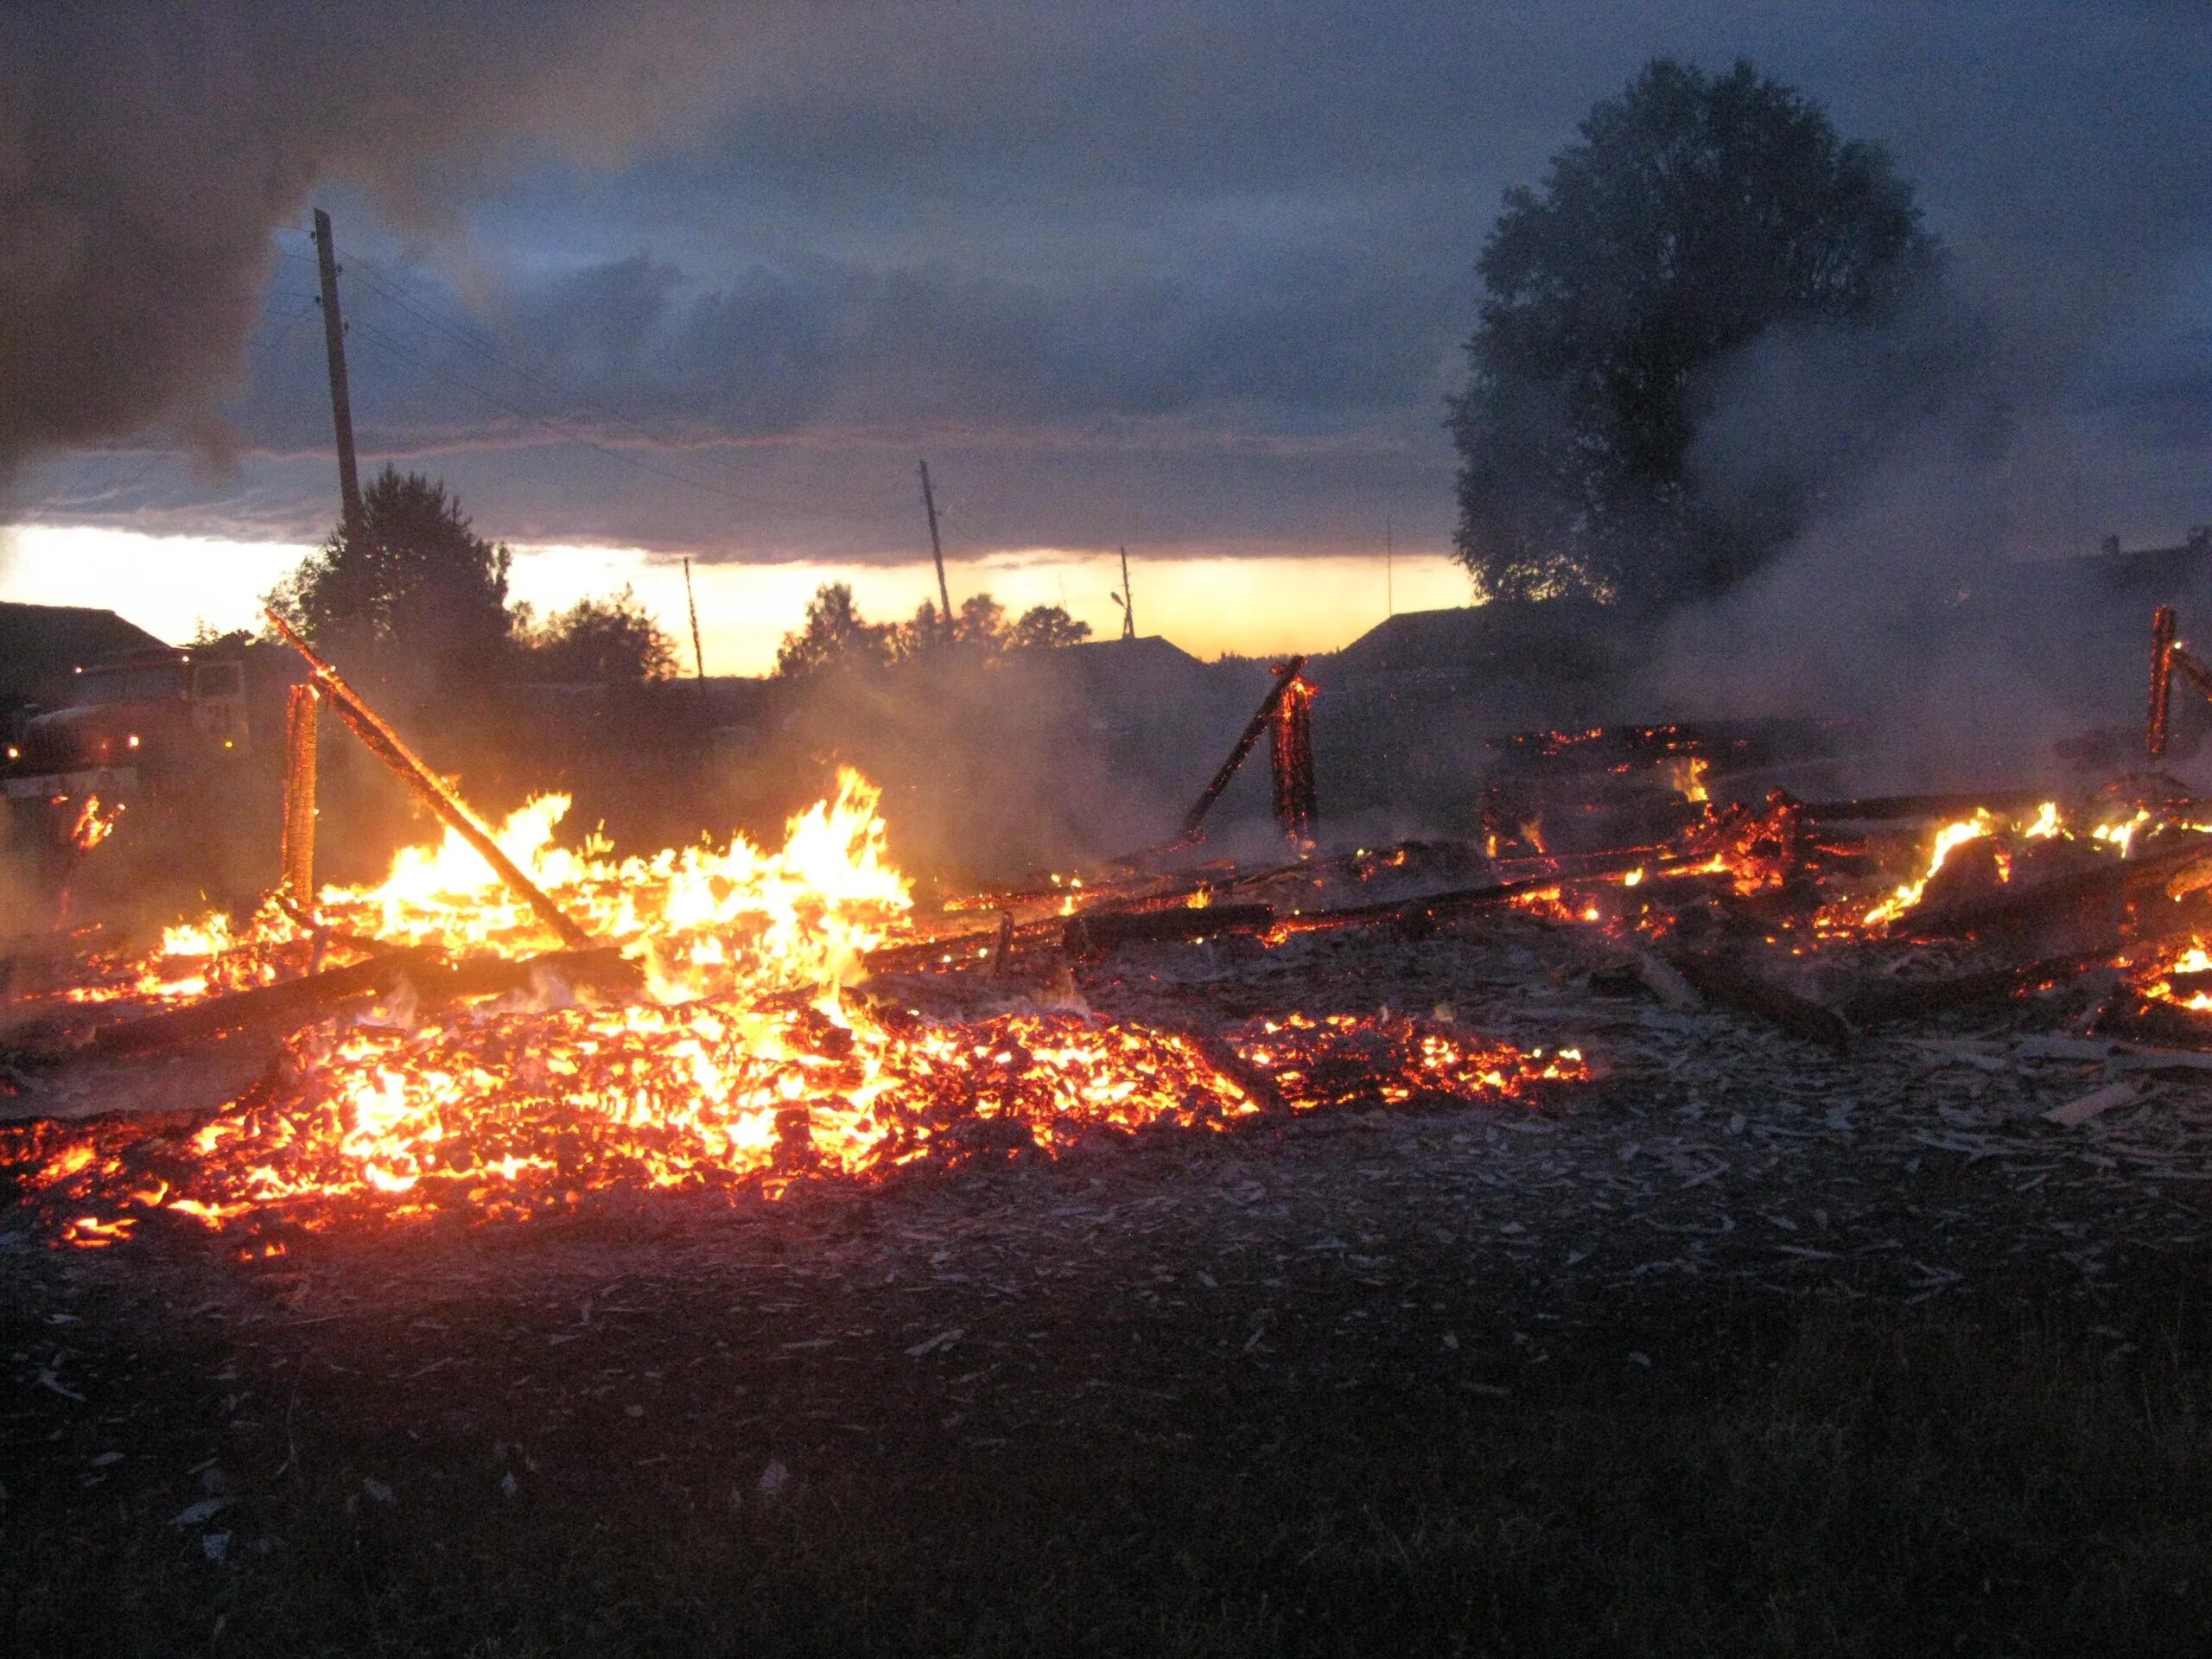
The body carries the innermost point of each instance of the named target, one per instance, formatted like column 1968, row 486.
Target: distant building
column 42, row 647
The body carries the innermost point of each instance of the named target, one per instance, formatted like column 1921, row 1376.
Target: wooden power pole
column 937, row 550
column 341, row 407
column 698, row 656
column 1129, row 600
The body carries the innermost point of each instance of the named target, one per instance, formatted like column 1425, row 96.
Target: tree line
column 415, row 600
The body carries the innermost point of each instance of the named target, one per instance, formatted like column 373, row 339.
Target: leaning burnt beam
column 382, row 742
column 1194, row 820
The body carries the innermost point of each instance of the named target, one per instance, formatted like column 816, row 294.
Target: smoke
column 1906, row 603
column 146, row 151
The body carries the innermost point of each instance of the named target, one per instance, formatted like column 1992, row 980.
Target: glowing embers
column 511, row 1115
column 2183, row 978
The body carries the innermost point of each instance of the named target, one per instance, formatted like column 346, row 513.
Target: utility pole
column 937, row 550
column 342, row 408
column 698, row 656
column 1389, row 551
column 1129, row 600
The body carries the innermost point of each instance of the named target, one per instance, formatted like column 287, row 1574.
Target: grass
column 1889, row 1484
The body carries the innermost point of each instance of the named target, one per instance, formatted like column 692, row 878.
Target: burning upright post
column 382, row 742
column 2162, row 674
column 1292, row 753
column 1286, row 676
column 300, row 703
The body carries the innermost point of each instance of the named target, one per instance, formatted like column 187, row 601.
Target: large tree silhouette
column 1693, row 214
column 418, row 599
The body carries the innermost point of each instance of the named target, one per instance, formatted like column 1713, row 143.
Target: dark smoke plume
column 147, row 151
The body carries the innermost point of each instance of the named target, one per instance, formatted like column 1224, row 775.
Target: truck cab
column 152, row 720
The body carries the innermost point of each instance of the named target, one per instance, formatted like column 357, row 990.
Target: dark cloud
column 1198, row 267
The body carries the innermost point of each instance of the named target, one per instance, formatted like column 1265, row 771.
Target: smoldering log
column 1439, row 906
column 2154, row 1022
column 1881, row 1000
column 1733, row 986
column 2012, row 908
column 1097, row 933
column 382, row 741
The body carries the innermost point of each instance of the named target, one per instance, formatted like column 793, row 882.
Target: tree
column 1694, row 215
column 834, row 636
column 1046, row 625
column 978, row 628
column 608, row 641
column 417, row 597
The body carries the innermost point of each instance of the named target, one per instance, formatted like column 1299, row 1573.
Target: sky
column 663, row 279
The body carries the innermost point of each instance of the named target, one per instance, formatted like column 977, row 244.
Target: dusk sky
column 645, row 280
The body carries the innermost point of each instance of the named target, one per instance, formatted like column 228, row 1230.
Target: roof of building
column 40, row 646
column 1543, row 635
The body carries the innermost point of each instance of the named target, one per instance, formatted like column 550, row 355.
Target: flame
column 749, row 1062
column 1686, row 776
column 1950, row 837
column 92, row 825
column 2121, row 835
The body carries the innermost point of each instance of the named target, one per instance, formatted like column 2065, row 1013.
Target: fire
column 751, row 1061
column 2121, row 834
column 1948, row 839
column 93, row 826
column 1686, row 776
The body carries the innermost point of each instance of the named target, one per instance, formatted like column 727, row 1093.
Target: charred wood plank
column 1733, row 986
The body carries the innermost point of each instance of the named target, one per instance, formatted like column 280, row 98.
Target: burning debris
column 702, row 1028
column 505, row 1027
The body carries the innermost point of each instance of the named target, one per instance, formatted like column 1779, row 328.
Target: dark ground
column 1745, row 1348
